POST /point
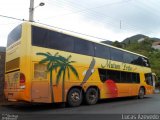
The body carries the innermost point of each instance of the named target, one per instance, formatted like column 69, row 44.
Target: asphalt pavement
column 107, row 108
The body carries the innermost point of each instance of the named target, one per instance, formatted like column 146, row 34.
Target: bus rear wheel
column 91, row 96
column 141, row 93
column 74, row 97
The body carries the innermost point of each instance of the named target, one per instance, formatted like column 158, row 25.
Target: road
column 149, row 105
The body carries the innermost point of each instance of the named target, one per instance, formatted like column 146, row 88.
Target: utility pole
column 31, row 11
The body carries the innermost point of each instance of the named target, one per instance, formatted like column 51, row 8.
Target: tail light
column 22, row 80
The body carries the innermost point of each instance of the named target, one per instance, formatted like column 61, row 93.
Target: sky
column 107, row 19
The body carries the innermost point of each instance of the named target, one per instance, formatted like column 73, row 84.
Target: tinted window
column 128, row 58
column 123, row 77
column 102, row 51
column 145, row 62
column 138, row 78
column 128, row 77
column 118, row 76
column 109, row 75
column 102, row 74
column 135, row 78
column 51, row 39
column 116, row 54
column 60, row 41
column 83, row 47
column 137, row 60
column 113, row 75
column 14, row 35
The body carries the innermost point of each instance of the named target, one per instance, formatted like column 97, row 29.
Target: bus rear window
column 14, row 35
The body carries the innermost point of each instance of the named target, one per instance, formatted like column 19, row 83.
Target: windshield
column 14, row 35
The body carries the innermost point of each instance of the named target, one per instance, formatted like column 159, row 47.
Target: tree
column 117, row 44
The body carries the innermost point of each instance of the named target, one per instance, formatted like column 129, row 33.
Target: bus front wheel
column 74, row 97
column 141, row 93
column 91, row 96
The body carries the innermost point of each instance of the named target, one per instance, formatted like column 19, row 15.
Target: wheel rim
column 92, row 96
column 141, row 93
column 75, row 97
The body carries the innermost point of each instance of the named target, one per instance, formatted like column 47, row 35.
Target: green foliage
column 133, row 39
column 117, row 44
column 154, row 58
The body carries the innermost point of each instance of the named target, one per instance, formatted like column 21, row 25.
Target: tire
column 74, row 98
column 91, row 96
column 141, row 93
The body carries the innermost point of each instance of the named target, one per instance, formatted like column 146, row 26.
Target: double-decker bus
column 49, row 65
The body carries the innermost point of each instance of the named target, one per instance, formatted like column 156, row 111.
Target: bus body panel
column 37, row 87
column 17, row 62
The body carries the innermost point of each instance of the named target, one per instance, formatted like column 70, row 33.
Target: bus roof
column 78, row 35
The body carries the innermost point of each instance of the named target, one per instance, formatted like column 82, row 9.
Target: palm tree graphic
column 65, row 65
column 60, row 63
column 52, row 65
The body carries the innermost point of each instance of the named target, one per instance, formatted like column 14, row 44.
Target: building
column 2, row 70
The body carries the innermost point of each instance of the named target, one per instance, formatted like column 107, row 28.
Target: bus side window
column 102, row 74
column 114, row 75
column 135, row 78
column 102, row 51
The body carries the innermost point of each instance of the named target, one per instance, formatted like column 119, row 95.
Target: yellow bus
column 50, row 65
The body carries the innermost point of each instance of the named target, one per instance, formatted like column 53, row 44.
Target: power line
column 94, row 13
column 53, row 27
column 97, row 14
column 12, row 18
column 70, row 31
column 88, row 9
column 57, row 27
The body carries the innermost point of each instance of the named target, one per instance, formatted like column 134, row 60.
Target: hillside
column 134, row 39
column 137, row 38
